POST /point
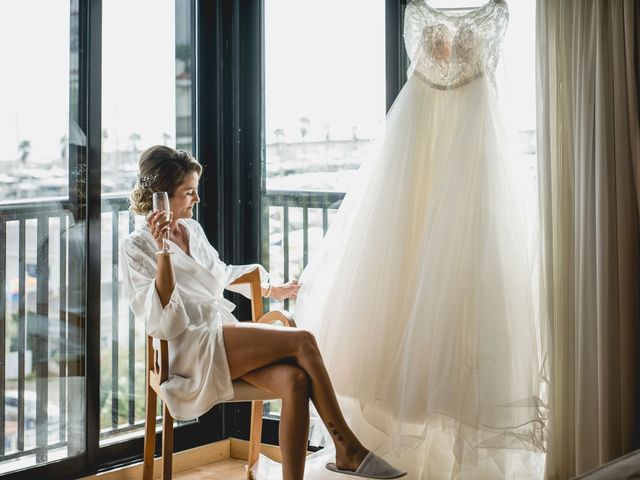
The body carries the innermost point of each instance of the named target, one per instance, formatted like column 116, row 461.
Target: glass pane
column 42, row 230
column 519, row 86
column 146, row 100
column 324, row 90
column 34, row 99
column 324, row 103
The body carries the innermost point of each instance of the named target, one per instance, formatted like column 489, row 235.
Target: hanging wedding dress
column 422, row 297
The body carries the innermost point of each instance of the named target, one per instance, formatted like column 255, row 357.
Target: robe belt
column 207, row 307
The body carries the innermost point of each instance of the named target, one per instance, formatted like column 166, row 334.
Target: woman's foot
column 350, row 458
column 372, row 466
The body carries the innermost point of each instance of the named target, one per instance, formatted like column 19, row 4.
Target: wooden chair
column 157, row 372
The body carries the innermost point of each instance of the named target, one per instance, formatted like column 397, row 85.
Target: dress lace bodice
column 450, row 50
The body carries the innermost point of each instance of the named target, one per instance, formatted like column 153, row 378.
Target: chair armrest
column 278, row 316
column 252, row 278
column 249, row 277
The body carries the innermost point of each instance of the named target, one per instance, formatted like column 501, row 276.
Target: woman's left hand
column 288, row 290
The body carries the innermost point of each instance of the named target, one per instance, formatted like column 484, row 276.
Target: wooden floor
column 229, row 469
column 222, row 460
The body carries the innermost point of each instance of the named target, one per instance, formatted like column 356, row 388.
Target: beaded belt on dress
column 446, row 87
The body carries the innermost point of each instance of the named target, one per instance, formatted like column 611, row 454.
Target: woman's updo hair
column 160, row 169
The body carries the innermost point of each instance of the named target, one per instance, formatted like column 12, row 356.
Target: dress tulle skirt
column 422, row 296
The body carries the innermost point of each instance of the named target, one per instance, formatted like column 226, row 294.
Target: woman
column 179, row 297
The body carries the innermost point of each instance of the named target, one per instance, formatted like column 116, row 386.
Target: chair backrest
column 158, row 360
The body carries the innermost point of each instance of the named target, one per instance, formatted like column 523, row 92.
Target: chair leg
column 255, row 436
column 149, row 434
column 167, row 443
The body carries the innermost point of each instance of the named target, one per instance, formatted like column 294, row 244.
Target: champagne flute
column 161, row 203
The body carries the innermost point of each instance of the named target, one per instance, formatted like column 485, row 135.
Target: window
column 324, row 104
column 324, row 93
column 519, row 89
column 42, row 226
column 34, row 144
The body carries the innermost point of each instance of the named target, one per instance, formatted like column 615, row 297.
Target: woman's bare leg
column 252, row 346
column 291, row 384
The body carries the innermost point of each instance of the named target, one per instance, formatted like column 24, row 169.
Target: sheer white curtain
column 588, row 170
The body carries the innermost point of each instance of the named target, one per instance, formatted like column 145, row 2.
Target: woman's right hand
column 159, row 226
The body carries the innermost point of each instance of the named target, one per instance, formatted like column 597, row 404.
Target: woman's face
column 185, row 197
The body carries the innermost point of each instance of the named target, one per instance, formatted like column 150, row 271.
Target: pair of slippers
column 371, row 467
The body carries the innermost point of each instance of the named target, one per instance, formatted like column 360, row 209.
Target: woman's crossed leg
column 252, row 349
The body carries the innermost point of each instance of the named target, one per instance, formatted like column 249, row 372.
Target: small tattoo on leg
column 330, row 425
column 340, row 438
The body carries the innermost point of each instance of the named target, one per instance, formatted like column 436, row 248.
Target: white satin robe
column 192, row 320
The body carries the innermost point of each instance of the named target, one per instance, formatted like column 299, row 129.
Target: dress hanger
column 464, row 9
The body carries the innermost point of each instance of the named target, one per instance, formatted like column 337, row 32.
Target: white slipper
column 371, row 467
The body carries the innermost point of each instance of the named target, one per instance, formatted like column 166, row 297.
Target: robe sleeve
column 139, row 273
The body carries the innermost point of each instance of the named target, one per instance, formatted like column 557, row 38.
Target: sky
column 34, row 85
column 138, row 71
column 324, row 60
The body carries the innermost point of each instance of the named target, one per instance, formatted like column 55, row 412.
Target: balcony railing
column 28, row 230
column 279, row 206
column 42, row 265
column 115, row 310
